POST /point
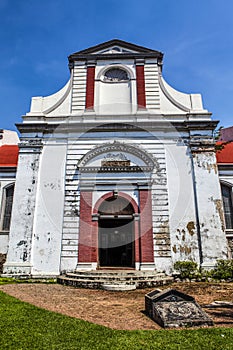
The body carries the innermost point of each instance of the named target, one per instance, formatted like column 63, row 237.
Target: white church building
column 116, row 170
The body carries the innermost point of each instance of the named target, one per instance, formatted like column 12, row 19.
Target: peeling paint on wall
column 21, row 243
column 219, row 209
column 207, row 161
column 191, row 227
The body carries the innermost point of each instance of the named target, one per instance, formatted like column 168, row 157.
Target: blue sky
column 36, row 37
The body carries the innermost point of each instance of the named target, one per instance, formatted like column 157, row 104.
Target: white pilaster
column 21, row 230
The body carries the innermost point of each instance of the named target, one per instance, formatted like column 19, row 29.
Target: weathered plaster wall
column 4, row 237
column 210, row 209
column 182, row 216
column 47, row 231
column 19, row 257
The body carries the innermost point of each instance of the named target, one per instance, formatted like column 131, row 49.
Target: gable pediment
column 115, row 47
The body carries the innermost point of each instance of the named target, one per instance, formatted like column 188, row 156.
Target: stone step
column 115, row 277
column 114, row 281
column 117, row 273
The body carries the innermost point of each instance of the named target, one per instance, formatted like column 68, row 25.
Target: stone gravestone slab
column 171, row 308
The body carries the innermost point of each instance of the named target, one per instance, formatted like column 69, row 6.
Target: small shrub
column 223, row 270
column 187, row 269
column 7, row 280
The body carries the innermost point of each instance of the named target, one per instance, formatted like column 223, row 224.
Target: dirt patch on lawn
column 119, row 310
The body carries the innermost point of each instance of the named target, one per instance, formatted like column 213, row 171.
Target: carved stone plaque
column 115, row 163
column 171, row 308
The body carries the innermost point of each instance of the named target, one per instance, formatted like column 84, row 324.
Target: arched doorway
column 116, row 233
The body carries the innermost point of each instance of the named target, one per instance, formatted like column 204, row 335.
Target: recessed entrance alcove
column 116, row 233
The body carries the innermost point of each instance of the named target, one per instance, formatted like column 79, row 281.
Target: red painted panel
column 90, row 88
column 137, row 242
column 88, row 230
column 146, row 231
column 141, row 95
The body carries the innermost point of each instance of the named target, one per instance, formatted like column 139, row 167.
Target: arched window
column 227, row 205
column 7, row 207
column 116, row 75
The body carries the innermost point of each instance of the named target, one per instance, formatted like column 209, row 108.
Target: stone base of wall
column 2, row 261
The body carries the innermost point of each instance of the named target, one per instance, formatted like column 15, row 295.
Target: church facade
column 115, row 170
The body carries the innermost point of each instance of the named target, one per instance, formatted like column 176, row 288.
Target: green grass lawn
column 24, row 326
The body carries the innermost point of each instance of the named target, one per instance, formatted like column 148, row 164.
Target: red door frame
column 143, row 233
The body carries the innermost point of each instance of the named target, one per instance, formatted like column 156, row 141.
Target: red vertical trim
column 137, row 241
column 88, row 234
column 147, row 250
column 141, row 95
column 95, row 243
column 90, row 88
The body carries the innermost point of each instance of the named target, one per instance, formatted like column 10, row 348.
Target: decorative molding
column 139, row 61
column 104, row 70
column 158, row 125
column 115, row 157
column 91, row 63
column 198, row 144
column 116, row 75
column 118, row 147
column 32, row 146
column 116, row 169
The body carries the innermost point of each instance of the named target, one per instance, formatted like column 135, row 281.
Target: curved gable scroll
column 106, row 148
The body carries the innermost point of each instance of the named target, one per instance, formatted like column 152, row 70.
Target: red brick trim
column 141, row 94
column 90, row 88
column 146, row 231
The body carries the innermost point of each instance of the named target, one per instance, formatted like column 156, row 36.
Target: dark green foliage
column 223, row 270
column 187, row 269
column 24, row 326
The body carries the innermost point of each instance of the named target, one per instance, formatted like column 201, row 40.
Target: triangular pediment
column 115, row 47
